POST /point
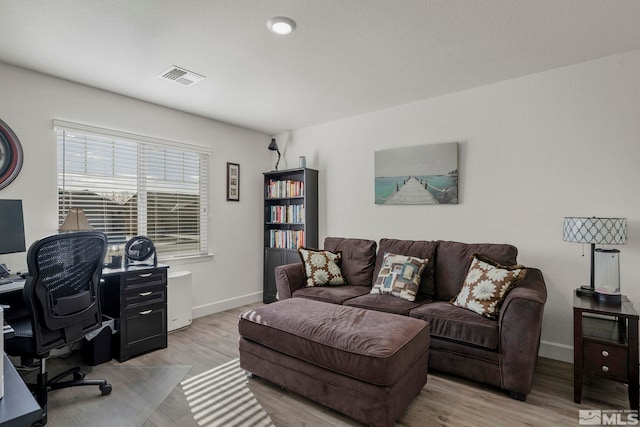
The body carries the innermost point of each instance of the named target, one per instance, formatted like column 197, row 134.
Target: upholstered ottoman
column 366, row 364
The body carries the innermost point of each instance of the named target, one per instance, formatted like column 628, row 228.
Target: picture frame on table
column 233, row 182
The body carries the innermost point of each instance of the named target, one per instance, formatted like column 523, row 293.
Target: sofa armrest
column 520, row 323
column 289, row 278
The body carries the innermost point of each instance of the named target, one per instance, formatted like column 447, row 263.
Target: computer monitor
column 11, row 227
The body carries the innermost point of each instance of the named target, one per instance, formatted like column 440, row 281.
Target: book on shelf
column 286, row 239
column 284, row 189
column 291, row 214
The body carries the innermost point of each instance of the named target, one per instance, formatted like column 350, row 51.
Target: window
column 130, row 185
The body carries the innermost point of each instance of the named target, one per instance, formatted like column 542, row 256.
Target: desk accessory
column 139, row 250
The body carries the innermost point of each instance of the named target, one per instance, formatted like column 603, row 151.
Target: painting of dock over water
column 422, row 175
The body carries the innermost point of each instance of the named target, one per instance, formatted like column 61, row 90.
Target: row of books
column 286, row 239
column 292, row 214
column 282, row 189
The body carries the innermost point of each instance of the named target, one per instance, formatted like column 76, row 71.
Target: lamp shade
column 76, row 220
column 606, row 231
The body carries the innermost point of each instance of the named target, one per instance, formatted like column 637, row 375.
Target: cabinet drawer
column 142, row 331
column 606, row 360
column 144, row 297
column 134, row 281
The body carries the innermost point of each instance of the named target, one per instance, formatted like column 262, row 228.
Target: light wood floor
column 445, row 400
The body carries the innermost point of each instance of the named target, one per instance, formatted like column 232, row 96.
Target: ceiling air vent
column 182, row 76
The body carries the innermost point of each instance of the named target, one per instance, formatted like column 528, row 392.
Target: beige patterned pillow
column 321, row 267
column 486, row 285
column 399, row 276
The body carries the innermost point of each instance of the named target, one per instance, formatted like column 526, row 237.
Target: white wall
column 28, row 103
column 532, row 151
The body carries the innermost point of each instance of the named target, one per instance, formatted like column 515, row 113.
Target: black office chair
column 63, row 298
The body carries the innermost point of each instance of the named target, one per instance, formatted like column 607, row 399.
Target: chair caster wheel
column 105, row 389
column 79, row 376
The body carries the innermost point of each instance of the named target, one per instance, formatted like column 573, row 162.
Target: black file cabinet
column 137, row 299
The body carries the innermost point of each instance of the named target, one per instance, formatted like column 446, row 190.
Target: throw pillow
column 486, row 285
column 399, row 276
column 321, row 267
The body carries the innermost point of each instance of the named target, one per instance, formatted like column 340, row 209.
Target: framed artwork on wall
column 10, row 155
column 422, row 175
column 233, row 182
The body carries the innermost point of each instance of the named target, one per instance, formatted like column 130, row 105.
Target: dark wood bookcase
column 290, row 220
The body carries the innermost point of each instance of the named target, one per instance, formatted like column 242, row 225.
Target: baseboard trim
column 227, row 304
column 553, row 350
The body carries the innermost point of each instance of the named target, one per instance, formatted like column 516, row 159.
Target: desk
column 15, row 285
column 11, row 295
column 135, row 296
column 18, row 408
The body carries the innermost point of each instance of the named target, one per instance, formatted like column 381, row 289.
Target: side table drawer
column 606, row 360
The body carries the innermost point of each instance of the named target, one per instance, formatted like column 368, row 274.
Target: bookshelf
column 290, row 220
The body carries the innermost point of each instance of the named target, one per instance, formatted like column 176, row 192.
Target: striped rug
column 220, row 397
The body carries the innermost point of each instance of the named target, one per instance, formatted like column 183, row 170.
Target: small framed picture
column 233, row 182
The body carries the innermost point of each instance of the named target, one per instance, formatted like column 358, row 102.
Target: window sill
column 187, row 259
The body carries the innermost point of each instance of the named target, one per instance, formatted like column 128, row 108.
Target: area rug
column 137, row 392
column 220, row 397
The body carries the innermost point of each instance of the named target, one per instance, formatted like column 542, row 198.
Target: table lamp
column 76, row 220
column 605, row 265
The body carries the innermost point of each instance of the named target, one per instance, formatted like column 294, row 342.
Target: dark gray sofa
column 500, row 352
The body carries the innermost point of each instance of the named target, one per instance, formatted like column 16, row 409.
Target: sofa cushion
column 358, row 258
column 417, row 248
column 486, row 285
column 321, row 267
column 333, row 294
column 458, row 324
column 346, row 340
column 386, row 303
column 454, row 260
column 399, row 276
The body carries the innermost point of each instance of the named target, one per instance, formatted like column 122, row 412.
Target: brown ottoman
column 366, row 364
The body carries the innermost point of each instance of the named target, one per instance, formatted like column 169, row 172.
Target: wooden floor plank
column 445, row 400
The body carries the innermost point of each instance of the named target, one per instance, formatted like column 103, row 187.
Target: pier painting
column 423, row 175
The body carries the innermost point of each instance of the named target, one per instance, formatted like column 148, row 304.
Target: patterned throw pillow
column 321, row 267
column 399, row 276
column 486, row 285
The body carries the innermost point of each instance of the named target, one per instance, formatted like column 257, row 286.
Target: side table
column 605, row 343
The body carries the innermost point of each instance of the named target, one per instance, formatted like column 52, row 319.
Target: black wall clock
column 10, row 155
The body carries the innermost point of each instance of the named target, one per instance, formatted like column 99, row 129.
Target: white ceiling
column 347, row 57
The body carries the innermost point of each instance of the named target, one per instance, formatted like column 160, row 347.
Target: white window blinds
column 130, row 185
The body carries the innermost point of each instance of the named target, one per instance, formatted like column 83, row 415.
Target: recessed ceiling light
column 281, row 25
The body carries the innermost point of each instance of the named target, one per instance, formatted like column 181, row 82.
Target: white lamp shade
column 606, row 231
